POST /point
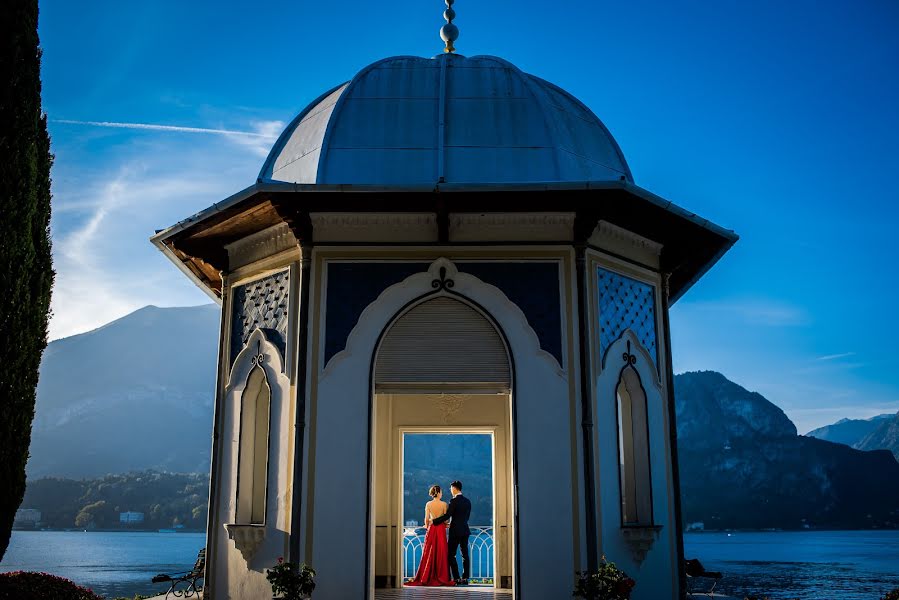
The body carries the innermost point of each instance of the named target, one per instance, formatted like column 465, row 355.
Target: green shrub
column 291, row 581
column 894, row 595
column 607, row 583
column 22, row 585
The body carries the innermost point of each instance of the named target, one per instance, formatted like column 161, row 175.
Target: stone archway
column 441, row 367
column 344, row 391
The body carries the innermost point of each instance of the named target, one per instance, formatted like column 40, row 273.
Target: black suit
column 459, row 510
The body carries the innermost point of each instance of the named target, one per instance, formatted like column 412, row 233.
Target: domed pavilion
column 444, row 245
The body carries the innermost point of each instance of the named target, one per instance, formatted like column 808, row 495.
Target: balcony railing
column 480, row 552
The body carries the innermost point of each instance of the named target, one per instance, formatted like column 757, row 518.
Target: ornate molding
column 608, row 231
column 629, row 354
column 473, row 227
column 629, row 358
column 640, row 538
column 449, row 405
column 257, row 352
column 247, row 538
column 260, row 245
column 623, row 242
column 374, row 227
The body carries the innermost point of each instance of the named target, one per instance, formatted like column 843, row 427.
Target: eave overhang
column 691, row 245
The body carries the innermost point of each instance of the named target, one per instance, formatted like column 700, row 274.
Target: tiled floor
column 466, row 593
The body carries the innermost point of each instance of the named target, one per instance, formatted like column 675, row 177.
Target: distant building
column 28, row 516
column 130, row 516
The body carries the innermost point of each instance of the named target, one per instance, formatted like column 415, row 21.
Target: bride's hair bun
column 435, row 489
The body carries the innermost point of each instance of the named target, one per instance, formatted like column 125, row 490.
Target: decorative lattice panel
column 260, row 304
column 626, row 303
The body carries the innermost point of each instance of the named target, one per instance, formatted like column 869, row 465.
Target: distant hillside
column 849, row 431
column 743, row 466
column 166, row 499
column 885, row 437
column 441, row 459
column 134, row 394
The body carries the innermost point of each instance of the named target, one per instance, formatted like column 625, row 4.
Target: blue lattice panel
column 260, row 304
column 625, row 303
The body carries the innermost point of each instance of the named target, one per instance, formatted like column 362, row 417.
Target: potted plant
column 291, row 581
column 607, row 583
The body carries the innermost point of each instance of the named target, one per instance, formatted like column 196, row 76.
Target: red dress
column 433, row 570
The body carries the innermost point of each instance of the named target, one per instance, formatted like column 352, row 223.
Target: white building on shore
column 131, row 517
column 444, row 244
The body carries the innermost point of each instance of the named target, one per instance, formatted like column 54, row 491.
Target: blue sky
column 775, row 119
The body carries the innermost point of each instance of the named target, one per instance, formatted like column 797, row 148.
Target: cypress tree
column 26, row 269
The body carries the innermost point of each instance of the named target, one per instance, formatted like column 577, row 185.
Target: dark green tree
column 26, row 270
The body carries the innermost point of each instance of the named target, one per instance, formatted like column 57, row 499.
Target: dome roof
column 409, row 120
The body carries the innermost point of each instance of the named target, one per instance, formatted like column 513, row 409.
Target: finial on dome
column 449, row 33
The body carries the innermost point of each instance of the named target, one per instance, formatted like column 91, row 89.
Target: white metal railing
column 480, row 552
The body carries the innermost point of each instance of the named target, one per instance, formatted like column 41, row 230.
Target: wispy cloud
column 265, row 133
column 756, row 311
column 105, row 265
column 836, row 356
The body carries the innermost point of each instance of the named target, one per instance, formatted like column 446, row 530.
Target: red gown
column 433, row 570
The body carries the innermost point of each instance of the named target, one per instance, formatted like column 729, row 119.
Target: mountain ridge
column 154, row 366
column 745, row 468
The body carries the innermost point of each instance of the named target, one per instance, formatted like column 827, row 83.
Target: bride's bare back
column 433, row 509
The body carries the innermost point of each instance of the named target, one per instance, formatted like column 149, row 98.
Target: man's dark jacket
column 459, row 510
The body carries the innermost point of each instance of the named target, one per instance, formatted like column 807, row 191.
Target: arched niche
column 442, row 343
column 252, row 494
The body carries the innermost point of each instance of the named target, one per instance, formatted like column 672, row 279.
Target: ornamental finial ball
column 449, row 33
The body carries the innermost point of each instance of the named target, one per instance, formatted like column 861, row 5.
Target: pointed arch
column 634, row 472
column 253, row 447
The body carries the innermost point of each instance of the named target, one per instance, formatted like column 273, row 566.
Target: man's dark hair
column 457, row 485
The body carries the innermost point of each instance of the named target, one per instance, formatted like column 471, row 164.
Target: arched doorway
column 441, row 367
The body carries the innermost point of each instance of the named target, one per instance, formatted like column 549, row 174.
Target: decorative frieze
column 626, row 243
column 510, row 227
column 374, row 227
column 260, row 245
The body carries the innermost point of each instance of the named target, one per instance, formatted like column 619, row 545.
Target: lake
column 112, row 564
column 825, row 565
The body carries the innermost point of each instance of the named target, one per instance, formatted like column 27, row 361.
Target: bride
column 433, row 570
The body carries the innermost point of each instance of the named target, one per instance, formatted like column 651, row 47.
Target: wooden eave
column 691, row 245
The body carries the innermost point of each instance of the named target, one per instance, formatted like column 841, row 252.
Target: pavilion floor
column 448, row 593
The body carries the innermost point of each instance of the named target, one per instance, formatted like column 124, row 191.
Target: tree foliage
column 26, row 274
column 166, row 499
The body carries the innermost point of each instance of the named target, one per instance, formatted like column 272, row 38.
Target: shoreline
column 101, row 530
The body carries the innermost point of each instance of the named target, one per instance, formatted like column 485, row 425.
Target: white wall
column 655, row 576
column 235, row 577
column 544, row 438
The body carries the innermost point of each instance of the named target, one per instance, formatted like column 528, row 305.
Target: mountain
column 742, row 465
column 134, row 394
column 849, row 431
column 885, row 436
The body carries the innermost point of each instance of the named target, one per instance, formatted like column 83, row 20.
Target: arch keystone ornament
column 450, row 405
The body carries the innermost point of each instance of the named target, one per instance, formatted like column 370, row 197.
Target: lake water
column 820, row 565
column 825, row 565
column 112, row 564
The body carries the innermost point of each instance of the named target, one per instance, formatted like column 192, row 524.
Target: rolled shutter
column 442, row 343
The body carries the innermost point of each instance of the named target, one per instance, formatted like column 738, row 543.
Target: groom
column 459, row 510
